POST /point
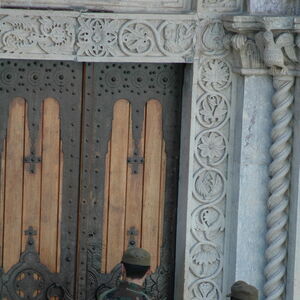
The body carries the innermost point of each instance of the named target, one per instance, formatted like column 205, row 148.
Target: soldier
column 135, row 268
column 241, row 290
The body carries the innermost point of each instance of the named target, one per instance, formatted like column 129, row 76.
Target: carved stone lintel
column 93, row 36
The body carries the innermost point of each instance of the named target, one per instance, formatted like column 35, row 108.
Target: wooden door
column 40, row 121
column 89, row 167
column 131, row 124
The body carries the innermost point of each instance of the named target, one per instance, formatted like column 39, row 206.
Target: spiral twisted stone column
column 279, row 170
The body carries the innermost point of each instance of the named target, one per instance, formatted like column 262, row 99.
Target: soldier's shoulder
column 106, row 294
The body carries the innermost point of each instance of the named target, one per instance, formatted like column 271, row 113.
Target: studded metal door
column 40, row 123
column 108, row 139
column 130, row 151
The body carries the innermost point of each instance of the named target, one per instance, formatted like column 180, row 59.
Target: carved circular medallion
column 176, row 38
column 207, row 222
column 209, row 185
column 137, row 38
column 205, row 290
column 211, row 148
column 205, row 260
column 213, row 110
column 214, row 75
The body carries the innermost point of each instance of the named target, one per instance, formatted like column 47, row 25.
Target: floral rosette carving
column 205, row 260
column 137, row 38
column 97, row 37
column 177, row 38
column 57, row 34
column 214, row 75
column 205, row 290
column 211, row 147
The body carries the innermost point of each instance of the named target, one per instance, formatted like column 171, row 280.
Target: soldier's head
column 136, row 263
column 241, row 290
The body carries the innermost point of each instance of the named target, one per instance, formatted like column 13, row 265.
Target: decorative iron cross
column 132, row 232
column 135, row 161
column 32, row 159
column 30, row 232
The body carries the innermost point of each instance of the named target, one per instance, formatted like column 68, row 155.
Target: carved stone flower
column 97, row 37
column 212, row 146
column 215, row 75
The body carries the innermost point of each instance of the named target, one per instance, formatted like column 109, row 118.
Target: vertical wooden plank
column 117, row 189
column 152, row 181
column 31, row 188
column 61, row 174
column 14, row 184
column 50, row 183
column 2, row 199
column 105, row 210
column 134, row 196
column 162, row 199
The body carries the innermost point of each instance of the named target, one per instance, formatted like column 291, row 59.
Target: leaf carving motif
column 215, row 75
column 208, row 220
column 205, row 260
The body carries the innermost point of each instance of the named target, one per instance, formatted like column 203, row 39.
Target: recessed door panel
column 130, row 172
column 40, row 121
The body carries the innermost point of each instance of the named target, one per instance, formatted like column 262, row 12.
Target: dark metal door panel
column 35, row 81
column 104, row 85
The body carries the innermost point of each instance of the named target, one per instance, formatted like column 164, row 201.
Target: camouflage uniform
column 125, row 291
column 129, row 290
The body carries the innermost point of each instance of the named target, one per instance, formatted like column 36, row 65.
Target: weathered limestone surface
column 280, row 7
column 253, row 179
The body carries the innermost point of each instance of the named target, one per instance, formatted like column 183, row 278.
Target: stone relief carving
column 25, row 34
column 210, row 154
column 85, row 36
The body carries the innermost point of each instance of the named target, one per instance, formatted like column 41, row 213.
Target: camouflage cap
column 137, row 256
column 244, row 291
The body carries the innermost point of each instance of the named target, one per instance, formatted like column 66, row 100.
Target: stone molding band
column 96, row 36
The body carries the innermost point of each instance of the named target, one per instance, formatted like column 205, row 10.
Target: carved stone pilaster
column 211, row 139
column 268, row 46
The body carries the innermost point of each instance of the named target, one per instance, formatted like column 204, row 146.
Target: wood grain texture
column 117, row 188
column 152, row 179
column 105, row 210
column 2, row 199
column 31, row 188
column 14, row 184
column 50, row 184
column 162, row 199
column 134, row 195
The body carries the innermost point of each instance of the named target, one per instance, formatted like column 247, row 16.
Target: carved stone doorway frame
column 208, row 83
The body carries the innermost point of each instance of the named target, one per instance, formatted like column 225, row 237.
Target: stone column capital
column 265, row 44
